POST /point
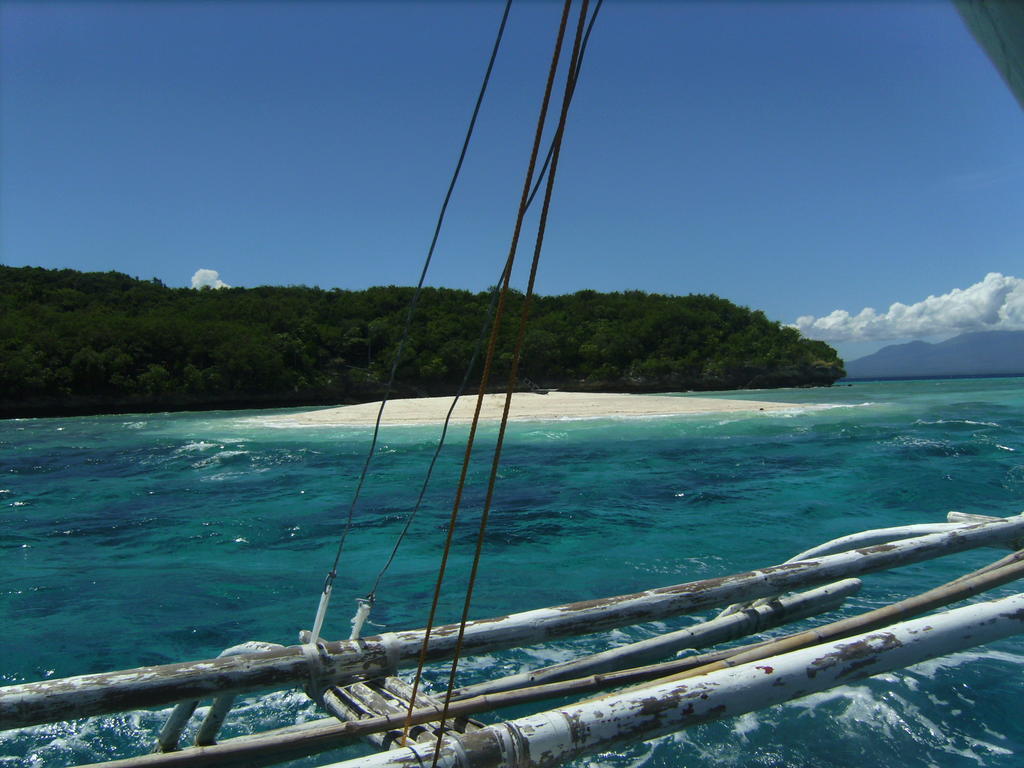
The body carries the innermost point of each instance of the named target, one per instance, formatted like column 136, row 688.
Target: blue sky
column 800, row 158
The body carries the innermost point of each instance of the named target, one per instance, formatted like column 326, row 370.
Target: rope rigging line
column 485, row 375
column 371, row 595
column 575, row 76
column 333, row 573
column 514, row 369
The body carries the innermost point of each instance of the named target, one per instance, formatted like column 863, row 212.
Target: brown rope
column 485, row 375
column 514, row 370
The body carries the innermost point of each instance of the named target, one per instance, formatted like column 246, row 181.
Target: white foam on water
column 745, row 724
column 894, row 717
column 274, row 710
column 789, row 413
column 547, row 435
column 220, row 457
column 285, row 422
column 549, row 655
column 134, row 733
column 968, row 422
column 905, row 441
column 196, row 446
column 929, row 669
column 618, row 759
column 832, row 406
column 484, row 662
column 81, row 741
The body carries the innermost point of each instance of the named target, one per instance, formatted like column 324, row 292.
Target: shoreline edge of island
column 529, row 406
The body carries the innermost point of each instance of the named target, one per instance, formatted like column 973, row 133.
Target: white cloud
column 208, row 278
column 994, row 304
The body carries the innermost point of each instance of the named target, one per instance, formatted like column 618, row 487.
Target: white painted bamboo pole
column 556, row 736
column 881, row 536
column 896, row 533
column 179, row 718
column 967, row 517
column 874, row 536
column 211, row 725
column 272, row 747
column 337, row 662
column 292, row 742
column 719, row 630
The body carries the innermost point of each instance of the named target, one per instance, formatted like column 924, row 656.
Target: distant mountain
column 986, row 353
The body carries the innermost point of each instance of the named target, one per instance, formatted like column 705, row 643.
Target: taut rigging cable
column 333, row 573
column 487, row 367
column 556, row 145
column 371, row 596
column 575, row 76
column 573, row 68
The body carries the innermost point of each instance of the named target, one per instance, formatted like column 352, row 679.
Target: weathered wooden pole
column 274, row 746
column 344, row 661
column 295, row 741
column 176, row 723
column 884, row 535
column 720, row 630
column 953, row 591
column 551, row 738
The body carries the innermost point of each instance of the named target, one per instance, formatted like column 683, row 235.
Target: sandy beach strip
column 528, row 406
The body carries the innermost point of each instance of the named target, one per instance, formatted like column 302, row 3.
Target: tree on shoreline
column 110, row 337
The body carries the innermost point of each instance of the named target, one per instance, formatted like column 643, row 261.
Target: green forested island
column 75, row 342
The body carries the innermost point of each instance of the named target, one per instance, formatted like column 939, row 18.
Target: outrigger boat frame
column 356, row 680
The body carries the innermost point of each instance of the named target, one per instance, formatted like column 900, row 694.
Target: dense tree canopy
column 106, row 341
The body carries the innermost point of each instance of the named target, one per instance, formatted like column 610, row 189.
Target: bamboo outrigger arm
column 271, row 747
column 774, row 613
column 553, row 737
column 170, row 734
column 883, row 535
column 347, row 661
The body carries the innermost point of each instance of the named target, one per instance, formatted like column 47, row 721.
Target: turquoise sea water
column 152, row 538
